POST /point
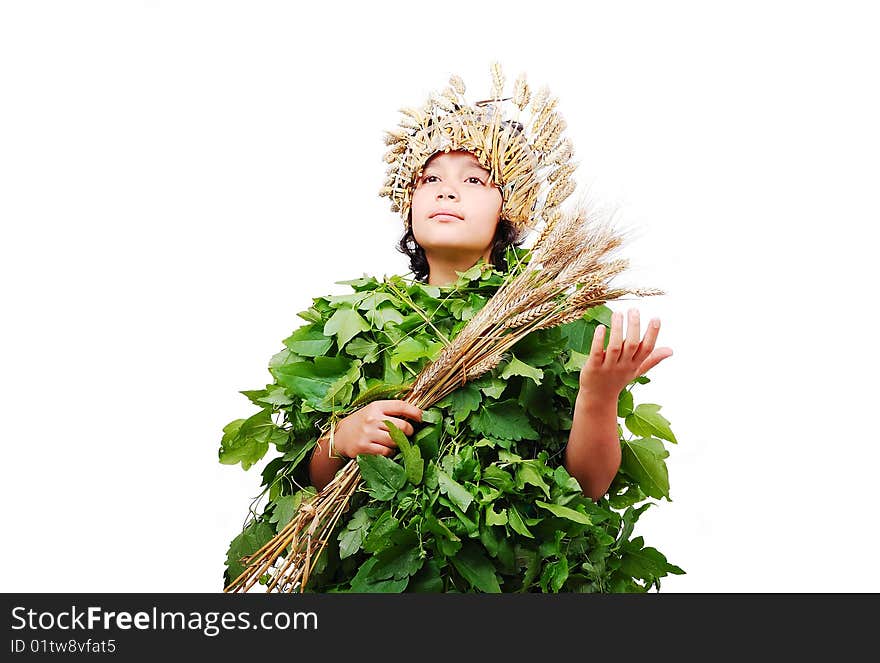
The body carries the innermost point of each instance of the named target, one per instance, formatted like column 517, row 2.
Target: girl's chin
column 448, row 240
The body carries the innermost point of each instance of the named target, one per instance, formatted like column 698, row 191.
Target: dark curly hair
column 506, row 234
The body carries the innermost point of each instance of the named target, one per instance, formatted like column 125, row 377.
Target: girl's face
column 455, row 207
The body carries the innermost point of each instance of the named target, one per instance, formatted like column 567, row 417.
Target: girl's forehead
column 454, row 158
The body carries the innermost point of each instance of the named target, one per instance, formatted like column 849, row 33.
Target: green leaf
column 378, row 539
column 276, row 396
column 576, row 361
column 233, row 450
column 552, row 547
column 285, row 509
column 565, row 481
column 339, row 393
column 345, row 324
column 493, row 518
column 391, row 374
column 361, row 282
column 538, row 401
column 383, row 316
column 412, row 455
column 352, row 537
column 361, row 347
column 554, row 575
column 565, row 512
column 501, row 479
column 503, row 419
column 250, row 540
column 437, row 527
column 351, row 299
column 646, row 421
column 578, row 335
column 516, row 522
column 247, row 440
column 633, row 495
column 428, row 440
column 470, row 274
column 377, row 391
column 601, row 314
column 647, row 564
column 412, row 349
column 261, row 427
column 625, row 403
column 308, row 341
column 311, row 380
column 298, row 451
column 532, row 562
column 447, row 541
column 461, row 309
column 432, row 416
column 464, row 400
column 516, row 367
column 491, row 386
column 373, row 299
column 527, row 472
column 311, row 315
column 428, row 579
column 476, row 568
column 454, row 490
column 397, row 563
column 540, row 348
column 382, row 475
column 285, row 357
column 643, row 461
column 364, row 582
column 628, row 522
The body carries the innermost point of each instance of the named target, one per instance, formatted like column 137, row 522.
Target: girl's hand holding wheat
column 363, row 431
column 607, row 371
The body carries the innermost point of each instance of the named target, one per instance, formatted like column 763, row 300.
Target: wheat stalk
column 569, row 271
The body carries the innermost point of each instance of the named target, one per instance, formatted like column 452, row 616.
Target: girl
column 504, row 490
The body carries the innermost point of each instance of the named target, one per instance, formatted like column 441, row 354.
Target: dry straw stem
column 569, row 271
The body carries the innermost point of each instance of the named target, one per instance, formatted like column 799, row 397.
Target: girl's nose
column 448, row 191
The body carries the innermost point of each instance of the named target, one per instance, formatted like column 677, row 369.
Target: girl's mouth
column 446, row 218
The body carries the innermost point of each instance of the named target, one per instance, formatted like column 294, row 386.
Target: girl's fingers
column 401, row 407
column 383, row 437
column 402, row 424
column 655, row 358
column 375, row 448
column 631, row 345
column 648, row 342
column 597, row 348
column 615, row 340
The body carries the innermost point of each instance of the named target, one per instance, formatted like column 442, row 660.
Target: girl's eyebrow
column 472, row 165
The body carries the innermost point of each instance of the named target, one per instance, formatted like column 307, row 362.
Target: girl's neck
column 442, row 270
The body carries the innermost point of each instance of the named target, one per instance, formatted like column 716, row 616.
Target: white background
column 178, row 180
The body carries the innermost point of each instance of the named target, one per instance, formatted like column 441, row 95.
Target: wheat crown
column 524, row 150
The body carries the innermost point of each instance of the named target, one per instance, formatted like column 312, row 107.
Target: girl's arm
column 322, row 466
column 592, row 455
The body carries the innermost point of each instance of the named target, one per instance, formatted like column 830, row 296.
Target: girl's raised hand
column 608, row 370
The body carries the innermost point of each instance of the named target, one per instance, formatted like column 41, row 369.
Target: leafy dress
column 491, row 509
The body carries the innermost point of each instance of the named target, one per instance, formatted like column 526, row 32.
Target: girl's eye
column 472, row 179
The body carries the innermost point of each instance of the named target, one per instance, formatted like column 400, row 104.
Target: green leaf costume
column 479, row 500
